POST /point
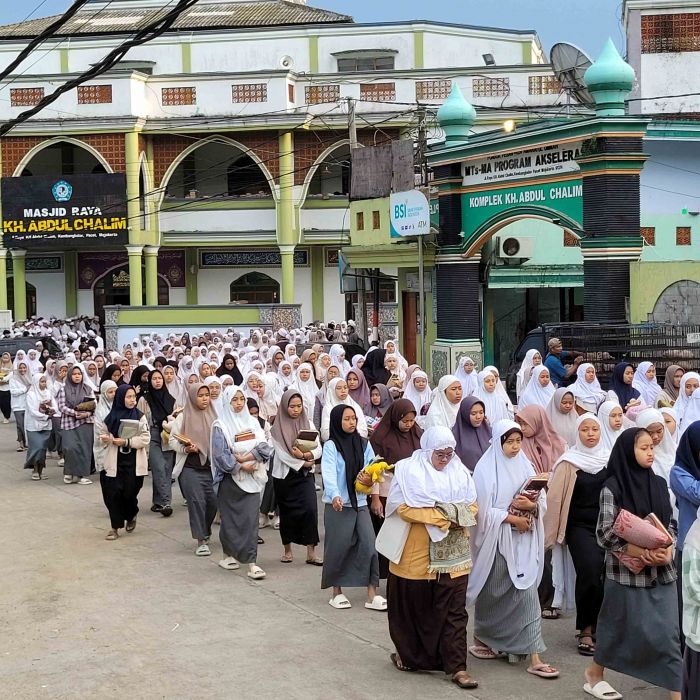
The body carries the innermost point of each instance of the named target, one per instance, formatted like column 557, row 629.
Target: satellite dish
column 570, row 64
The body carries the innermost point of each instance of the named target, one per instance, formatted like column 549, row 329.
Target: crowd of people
column 520, row 510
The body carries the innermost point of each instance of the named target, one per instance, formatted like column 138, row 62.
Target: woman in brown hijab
column 396, row 437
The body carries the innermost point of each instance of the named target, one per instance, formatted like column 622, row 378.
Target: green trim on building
column 70, row 264
column 186, row 48
column 419, row 49
column 649, row 279
column 63, row 58
column 334, row 203
column 391, row 255
column 527, row 52
column 534, row 276
column 313, row 53
column 317, row 282
column 216, row 316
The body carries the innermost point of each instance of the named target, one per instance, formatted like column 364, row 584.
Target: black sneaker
column 155, row 508
column 166, row 511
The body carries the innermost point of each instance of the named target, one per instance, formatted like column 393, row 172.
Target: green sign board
column 478, row 208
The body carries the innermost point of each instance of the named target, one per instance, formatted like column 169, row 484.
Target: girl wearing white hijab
column 215, row 392
column 37, row 423
column 33, row 362
column 337, row 354
column 611, row 419
column 539, row 389
column 445, row 406
column 425, row 639
column 671, row 423
column 496, row 407
column 532, row 359
column 562, row 415
column 508, row 555
column 587, row 389
column 690, row 381
column 392, row 348
column 420, row 397
column 285, row 379
column 305, row 384
column 108, row 389
column 239, row 451
column 323, row 362
column 645, row 383
column 338, row 393
column 466, row 373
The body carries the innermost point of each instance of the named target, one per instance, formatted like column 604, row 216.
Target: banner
column 64, row 212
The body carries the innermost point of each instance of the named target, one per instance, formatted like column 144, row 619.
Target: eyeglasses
column 444, row 455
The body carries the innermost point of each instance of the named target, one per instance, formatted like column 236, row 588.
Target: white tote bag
column 392, row 537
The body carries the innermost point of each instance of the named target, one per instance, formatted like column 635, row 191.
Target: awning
column 511, row 276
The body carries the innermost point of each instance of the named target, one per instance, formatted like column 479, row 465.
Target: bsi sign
column 409, row 214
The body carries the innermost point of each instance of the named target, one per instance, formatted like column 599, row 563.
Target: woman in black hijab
column 229, row 366
column 637, row 631
column 157, row 405
column 349, row 556
column 114, row 373
column 139, row 379
column 374, row 370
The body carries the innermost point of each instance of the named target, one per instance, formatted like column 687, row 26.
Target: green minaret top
column 456, row 117
column 609, row 80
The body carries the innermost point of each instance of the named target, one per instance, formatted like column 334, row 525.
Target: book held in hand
column 307, row 440
column 128, row 429
column 245, row 436
column 531, row 490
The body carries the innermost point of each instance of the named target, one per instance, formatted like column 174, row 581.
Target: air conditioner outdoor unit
column 515, row 247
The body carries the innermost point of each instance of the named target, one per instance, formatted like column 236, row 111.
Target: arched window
column 255, row 288
column 63, row 159
column 244, row 177
column 332, row 177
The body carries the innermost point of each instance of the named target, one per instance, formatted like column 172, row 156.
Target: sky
column 586, row 23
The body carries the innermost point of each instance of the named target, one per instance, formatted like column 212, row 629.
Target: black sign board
column 64, row 212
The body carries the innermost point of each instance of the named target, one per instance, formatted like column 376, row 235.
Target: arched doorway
column 63, row 158
column 112, row 289
column 679, row 303
column 31, row 297
column 255, row 288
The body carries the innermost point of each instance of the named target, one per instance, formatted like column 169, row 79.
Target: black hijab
column 635, row 488
column 161, row 360
column 351, row 446
column 688, row 453
column 252, row 403
column 107, row 373
column 235, row 372
column 624, row 392
column 160, row 401
column 137, row 378
column 120, row 412
column 373, row 368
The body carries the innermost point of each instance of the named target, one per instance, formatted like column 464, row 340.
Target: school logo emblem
column 62, row 191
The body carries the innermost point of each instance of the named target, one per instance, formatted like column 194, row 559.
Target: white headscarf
column 587, row 392
column 534, row 392
column 332, row 401
column 682, row 402
column 418, row 484
column 418, row 398
column 523, row 376
column 104, row 405
column 692, row 411
column 588, row 459
column 496, row 407
column 468, row 380
column 564, row 423
column 671, row 412
column 307, row 389
column 665, row 451
column 442, row 411
column 500, row 389
column 608, row 436
column 335, row 352
column 498, row 479
column 649, row 389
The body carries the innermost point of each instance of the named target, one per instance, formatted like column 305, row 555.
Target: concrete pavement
column 142, row 617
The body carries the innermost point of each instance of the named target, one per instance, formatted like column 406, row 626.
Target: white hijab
column 564, row 423
column 496, row 407
column 104, row 405
column 672, row 412
column 588, row 459
column 587, row 392
column 523, row 376
column 665, row 451
column 682, row 402
column 343, row 365
column 649, row 389
column 442, row 411
column 534, row 392
column 418, row 398
column 332, row 401
column 608, row 436
column 468, row 380
column 500, row 389
column 307, row 389
column 498, row 479
column 418, row 484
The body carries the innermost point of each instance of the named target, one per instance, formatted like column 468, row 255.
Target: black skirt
column 120, row 493
column 298, row 508
column 428, row 622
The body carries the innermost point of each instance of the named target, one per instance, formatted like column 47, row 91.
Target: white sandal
column 203, row 550
column 230, row 564
column 602, row 690
column 378, row 603
column 256, row 573
column 340, row 602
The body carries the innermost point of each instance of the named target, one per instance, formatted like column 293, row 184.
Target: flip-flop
column 315, row 562
column 484, row 653
column 112, row 535
column 36, row 477
column 399, row 664
column 602, row 690
column 285, row 559
column 551, row 614
column 378, row 603
column 340, row 602
column 540, row 671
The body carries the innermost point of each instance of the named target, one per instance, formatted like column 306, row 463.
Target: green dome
column 609, row 72
column 456, row 116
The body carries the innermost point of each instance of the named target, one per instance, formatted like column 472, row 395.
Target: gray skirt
column 77, row 450
column 37, row 442
column 239, row 521
column 505, row 618
column 637, row 633
column 349, row 556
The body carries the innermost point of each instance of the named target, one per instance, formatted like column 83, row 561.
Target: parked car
column 12, row 345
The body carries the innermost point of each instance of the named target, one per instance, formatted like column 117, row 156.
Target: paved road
column 142, row 617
